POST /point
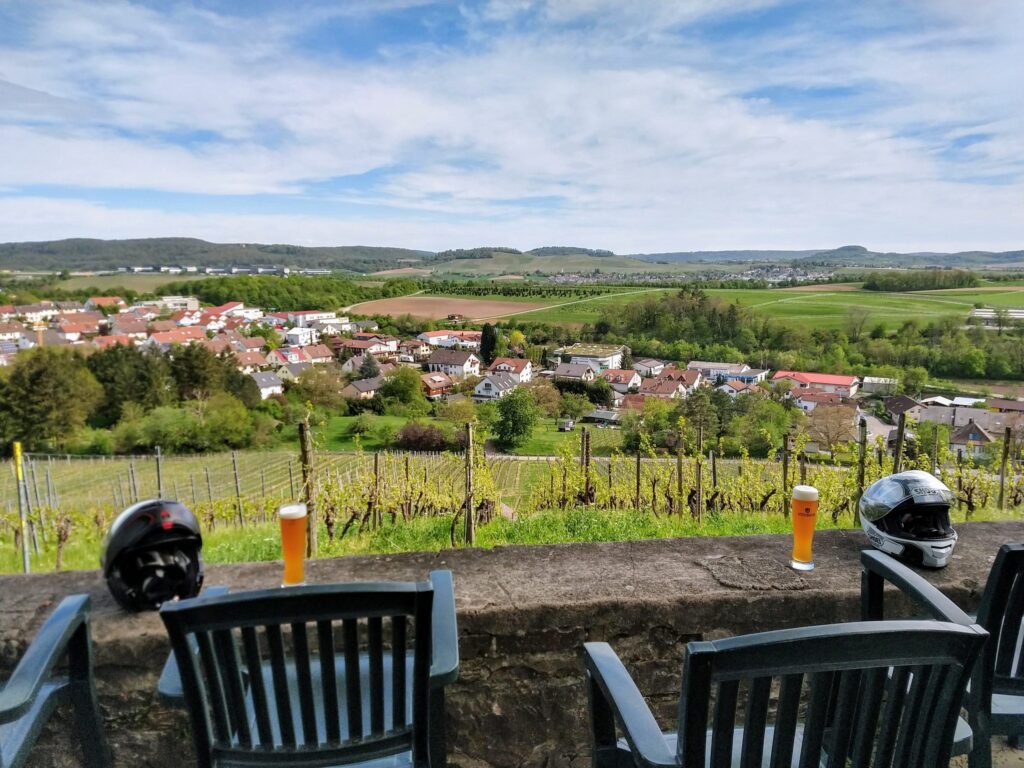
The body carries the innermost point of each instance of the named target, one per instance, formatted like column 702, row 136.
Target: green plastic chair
column 995, row 696
column 36, row 688
column 872, row 694
column 342, row 674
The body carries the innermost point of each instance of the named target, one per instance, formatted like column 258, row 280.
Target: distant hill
column 846, row 256
column 720, row 256
column 568, row 250
column 79, row 254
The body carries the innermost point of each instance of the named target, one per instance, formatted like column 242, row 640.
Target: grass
column 524, row 263
column 546, row 440
column 261, row 543
column 335, row 435
column 143, row 283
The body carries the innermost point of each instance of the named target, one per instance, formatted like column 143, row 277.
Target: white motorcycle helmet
column 907, row 515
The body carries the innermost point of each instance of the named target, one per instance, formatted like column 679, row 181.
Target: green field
column 142, row 283
column 525, row 263
column 546, row 440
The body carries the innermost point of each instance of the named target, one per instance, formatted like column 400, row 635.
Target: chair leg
column 602, row 728
column 1016, row 742
column 438, row 747
column 88, row 727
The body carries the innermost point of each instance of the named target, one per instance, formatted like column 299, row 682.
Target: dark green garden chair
column 37, row 687
column 323, row 675
column 995, row 696
column 870, row 694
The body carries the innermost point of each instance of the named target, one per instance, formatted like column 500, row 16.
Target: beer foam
column 292, row 511
column 805, row 493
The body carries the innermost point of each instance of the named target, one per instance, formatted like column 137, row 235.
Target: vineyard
column 390, row 501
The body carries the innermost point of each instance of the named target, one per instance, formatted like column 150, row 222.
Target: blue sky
column 641, row 126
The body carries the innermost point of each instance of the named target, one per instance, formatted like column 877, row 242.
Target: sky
column 640, row 126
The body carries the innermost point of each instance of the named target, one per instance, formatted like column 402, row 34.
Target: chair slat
column 754, row 724
column 872, row 692
column 787, row 712
column 303, row 676
column 231, row 675
column 1010, row 629
column 847, row 694
column 375, row 651
column 724, row 724
column 275, row 644
column 907, row 738
column 329, row 681
column 254, row 665
column 895, row 694
column 398, row 682
column 353, row 694
column 817, row 714
column 215, row 689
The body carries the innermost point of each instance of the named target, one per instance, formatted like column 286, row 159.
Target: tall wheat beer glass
column 293, row 543
column 805, row 514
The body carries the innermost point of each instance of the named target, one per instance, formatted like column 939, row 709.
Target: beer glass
column 293, row 543
column 805, row 514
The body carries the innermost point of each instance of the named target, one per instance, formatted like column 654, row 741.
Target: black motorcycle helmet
column 152, row 554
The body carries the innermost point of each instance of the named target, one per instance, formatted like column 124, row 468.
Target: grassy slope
column 143, row 283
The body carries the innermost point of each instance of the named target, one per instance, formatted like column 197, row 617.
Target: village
column 275, row 348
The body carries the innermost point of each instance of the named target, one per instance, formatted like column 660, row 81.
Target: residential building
column 129, row 326
column 807, row 399
column 878, row 385
column 622, row 379
column 11, row 331
column 735, row 387
column 648, row 366
column 632, row 402
column 971, row 438
column 318, row 354
column 436, row 384
column 367, row 325
column 287, row 355
column 390, row 343
column 360, row 347
column 666, row 389
column 292, row 371
column 77, row 331
column 301, row 337
column 598, row 356
column 574, row 372
column 457, row 363
column 36, row 313
column 70, row 307
column 7, row 312
column 899, row 404
column 519, row 368
column 179, row 303
column 364, row 389
column 332, row 327
column 305, row 318
column 269, row 383
column 690, row 378
column 413, row 351
column 105, row 342
column 251, row 360
column 452, row 339
column 494, row 387
column 1004, row 405
column 105, row 302
column 715, row 370
column 41, row 337
column 167, row 339
column 826, row 382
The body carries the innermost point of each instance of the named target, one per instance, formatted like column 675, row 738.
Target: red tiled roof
column 659, row 387
column 816, row 379
column 318, row 350
column 619, row 375
column 106, row 301
column 179, row 336
column 517, row 364
column 104, row 342
column 251, row 357
column 633, row 402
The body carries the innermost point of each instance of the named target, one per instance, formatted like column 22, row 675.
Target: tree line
column 898, row 281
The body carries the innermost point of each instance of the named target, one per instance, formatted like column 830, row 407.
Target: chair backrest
column 310, row 675
column 1001, row 611
column 875, row 693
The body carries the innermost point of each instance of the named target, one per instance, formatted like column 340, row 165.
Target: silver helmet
column 907, row 515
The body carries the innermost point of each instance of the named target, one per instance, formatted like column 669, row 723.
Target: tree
column 914, row 380
column 545, row 395
column 517, row 416
column 857, row 317
column 575, row 406
column 831, row 425
column 404, row 386
column 488, row 343
column 47, row 397
column 369, row 367
column 129, row 375
column 196, row 371
column 321, row 386
column 459, row 411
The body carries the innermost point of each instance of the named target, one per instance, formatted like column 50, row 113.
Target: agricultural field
column 525, row 263
column 439, row 307
column 142, row 283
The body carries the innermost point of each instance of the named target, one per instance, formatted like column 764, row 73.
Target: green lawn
column 335, row 435
column 546, row 440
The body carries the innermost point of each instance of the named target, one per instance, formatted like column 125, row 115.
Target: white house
column 11, row 331
column 301, row 337
column 574, row 372
column 305, row 318
column 494, row 387
column 598, row 356
column 455, row 362
column 648, row 366
column 825, row 382
column 269, row 383
column 518, row 368
column 733, row 387
column 622, row 379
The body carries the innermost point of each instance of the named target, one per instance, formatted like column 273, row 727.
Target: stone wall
column 524, row 613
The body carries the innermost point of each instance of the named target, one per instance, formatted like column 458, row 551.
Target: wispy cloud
column 633, row 126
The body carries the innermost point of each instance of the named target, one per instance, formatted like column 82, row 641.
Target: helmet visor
column 914, row 489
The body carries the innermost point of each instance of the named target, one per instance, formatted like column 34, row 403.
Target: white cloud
column 638, row 129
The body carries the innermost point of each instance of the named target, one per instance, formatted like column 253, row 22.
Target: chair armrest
column 879, row 568
column 45, row 650
column 444, row 666
column 169, row 687
column 641, row 730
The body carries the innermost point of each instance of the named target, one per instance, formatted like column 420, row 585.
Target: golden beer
column 805, row 515
column 293, row 543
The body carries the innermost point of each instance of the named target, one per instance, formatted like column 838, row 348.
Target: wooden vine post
column 308, row 494
column 901, row 430
column 862, row 456
column 1007, row 436
column 470, row 515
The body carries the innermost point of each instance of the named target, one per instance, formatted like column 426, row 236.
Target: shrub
column 416, row 436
